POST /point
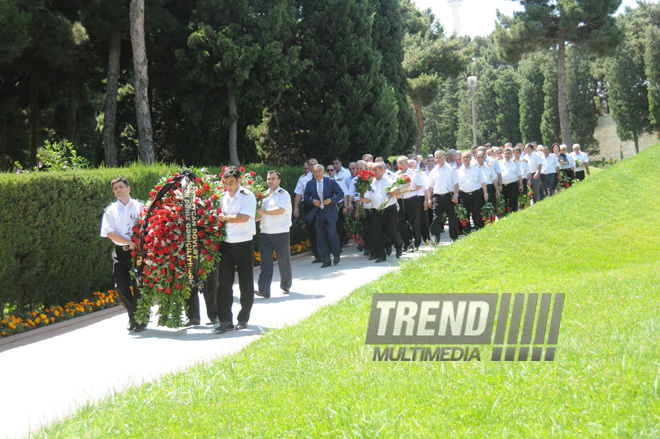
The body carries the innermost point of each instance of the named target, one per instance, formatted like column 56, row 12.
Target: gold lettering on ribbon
column 190, row 216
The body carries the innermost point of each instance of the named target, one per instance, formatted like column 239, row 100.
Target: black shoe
column 139, row 328
column 399, row 252
column 212, row 321
column 285, row 291
column 359, row 247
column 372, row 257
column 337, row 260
column 224, row 327
column 191, row 323
column 317, row 261
column 381, row 259
column 130, row 326
column 241, row 325
column 366, row 253
column 326, row 264
column 388, row 250
column 264, row 294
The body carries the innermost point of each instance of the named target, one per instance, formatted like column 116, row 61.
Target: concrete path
column 47, row 376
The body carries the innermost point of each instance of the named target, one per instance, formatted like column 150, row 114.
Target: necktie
column 319, row 189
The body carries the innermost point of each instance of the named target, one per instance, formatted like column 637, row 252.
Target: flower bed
column 13, row 325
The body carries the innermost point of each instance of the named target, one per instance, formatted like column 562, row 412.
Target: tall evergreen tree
column 581, row 93
column 550, row 125
column 508, row 107
column 530, row 96
column 551, row 23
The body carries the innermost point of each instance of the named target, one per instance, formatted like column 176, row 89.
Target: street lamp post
column 472, row 84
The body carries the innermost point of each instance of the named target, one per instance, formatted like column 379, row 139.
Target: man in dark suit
column 322, row 194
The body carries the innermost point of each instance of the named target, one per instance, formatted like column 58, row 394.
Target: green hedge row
column 51, row 251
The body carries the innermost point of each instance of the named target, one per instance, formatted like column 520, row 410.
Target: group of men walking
column 393, row 217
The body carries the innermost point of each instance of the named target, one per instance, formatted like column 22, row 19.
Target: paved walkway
column 47, row 376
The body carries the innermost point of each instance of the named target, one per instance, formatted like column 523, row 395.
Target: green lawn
column 598, row 243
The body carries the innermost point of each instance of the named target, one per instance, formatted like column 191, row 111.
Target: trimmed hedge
column 51, row 251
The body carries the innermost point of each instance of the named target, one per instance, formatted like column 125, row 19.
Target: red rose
column 168, row 290
column 208, row 241
column 178, row 286
column 159, row 289
column 201, row 271
column 172, row 266
column 163, row 271
column 200, row 233
column 241, row 169
column 177, row 275
column 198, row 180
column 172, row 258
column 182, row 262
column 212, row 219
column 216, row 247
column 168, row 180
column 156, row 280
column 224, row 168
column 259, row 195
column 199, row 192
column 206, row 186
column 209, row 257
column 169, row 278
column 205, row 251
column 249, row 182
column 151, row 285
column 200, row 222
column 179, row 208
column 200, row 211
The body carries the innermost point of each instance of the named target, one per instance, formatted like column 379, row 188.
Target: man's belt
column 126, row 248
column 507, row 184
column 473, row 192
column 442, row 195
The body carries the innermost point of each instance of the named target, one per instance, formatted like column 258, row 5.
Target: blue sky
column 477, row 17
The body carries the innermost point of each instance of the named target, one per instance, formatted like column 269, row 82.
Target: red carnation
column 214, row 197
column 206, row 186
column 168, row 290
column 241, row 169
column 201, row 271
column 252, row 173
column 199, row 192
column 216, row 247
column 204, row 251
column 172, row 266
column 198, row 180
column 163, row 270
column 182, row 262
column 151, row 285
column 224, row 168
column 259, row 195
column 249, row 182
column 209, row 257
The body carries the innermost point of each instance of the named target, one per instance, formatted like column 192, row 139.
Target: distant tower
column 455, row 5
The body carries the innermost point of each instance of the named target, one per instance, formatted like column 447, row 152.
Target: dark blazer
column 331, row 190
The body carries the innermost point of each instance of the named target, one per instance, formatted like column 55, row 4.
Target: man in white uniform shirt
column 118, row 220
column 275, row 217
column 238, row 212
column 549, row 173
column 583, row 158
column 490, row 175
column 443, row 189
column 535, row 163
column 409, row 207
column 523, row 163
column 341, row 173
column 383, row 222
column 511, row 180
column 473, row 194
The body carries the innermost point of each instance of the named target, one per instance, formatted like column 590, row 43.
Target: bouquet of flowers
column 488, row 213
column 524, row 200
column 565, row 182
column 401, row 184
column 178, row 240
column 501, row 208
column 462, row 215
column 363, row 184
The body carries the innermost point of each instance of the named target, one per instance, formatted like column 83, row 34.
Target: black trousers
column 492, row 198
column 311, row 232
column 443, row 204
column 424, row 219
column 579, row 175
column 510, row 193
column 384, row 225
column 209, row 290
column 411, row 215
column 473, row 202
column 239, row 255
column 366, row 229
column 121, row 268
column 525, row 190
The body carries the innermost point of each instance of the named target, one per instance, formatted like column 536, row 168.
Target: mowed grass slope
column 598, row 243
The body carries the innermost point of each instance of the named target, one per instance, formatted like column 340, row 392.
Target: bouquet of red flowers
column 363, row 182
column 178, row 240
column 462, row 215
column 488, row 213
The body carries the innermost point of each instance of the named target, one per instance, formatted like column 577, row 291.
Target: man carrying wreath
column 238, row 212
column 118, row 220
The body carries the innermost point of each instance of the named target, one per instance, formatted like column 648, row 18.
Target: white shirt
column 582, row 157
column 549, row 165
column 271, row 224
column 120, row 218
column 302, row 181
column 524, row 166
column 534, row 160
column 343, row 175
column 243, row 202
column 414, row 182
column 351, row 188
column 443, row 179
column 470, row 179
column 344, row 186
column 495, row 163
column 424, row 182
column 510, row 171
column 490, row 174
column 378, row 192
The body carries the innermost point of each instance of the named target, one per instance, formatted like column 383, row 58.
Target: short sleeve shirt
column 271, row 224
column 243, row 202
column 120, row 218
